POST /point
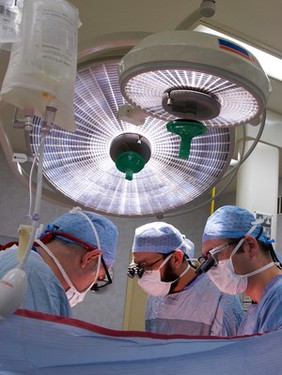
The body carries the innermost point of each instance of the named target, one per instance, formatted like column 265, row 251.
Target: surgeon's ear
column 251, row 245
column 178, row 257
column 88, row 258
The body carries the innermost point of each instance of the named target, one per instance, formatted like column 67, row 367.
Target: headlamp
column 134, row 270
column 205, row 265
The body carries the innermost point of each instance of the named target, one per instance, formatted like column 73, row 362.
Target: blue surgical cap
column 232, row 222
column 77, row 225
column 160, row 237
column 190, row 248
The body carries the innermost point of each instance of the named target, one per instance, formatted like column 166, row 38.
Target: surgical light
column 81, row 165
column 220, row 83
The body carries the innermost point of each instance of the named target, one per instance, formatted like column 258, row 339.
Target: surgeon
column 178, row 301
column 244, row 262
column 73, row 254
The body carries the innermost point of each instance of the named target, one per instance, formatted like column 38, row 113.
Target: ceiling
column 108, row 23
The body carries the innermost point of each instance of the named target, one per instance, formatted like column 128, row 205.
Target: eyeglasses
column 215, row 252
column 108, row 279
column 138, row 270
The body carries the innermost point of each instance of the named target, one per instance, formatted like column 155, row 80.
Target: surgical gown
column 265, row 315
column 200, row 309
column 44, row 291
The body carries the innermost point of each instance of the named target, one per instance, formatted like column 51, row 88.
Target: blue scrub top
column 44, row 291
column 265, row 315
column 200, row 309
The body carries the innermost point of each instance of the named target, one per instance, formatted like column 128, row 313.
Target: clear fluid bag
column 42, row 67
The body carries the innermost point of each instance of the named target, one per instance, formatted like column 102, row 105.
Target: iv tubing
column 35, row 217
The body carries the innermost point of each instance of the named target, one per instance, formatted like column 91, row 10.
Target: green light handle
column 187, row 130
column 130, row 162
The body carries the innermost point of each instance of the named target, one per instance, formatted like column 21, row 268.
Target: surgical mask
column 228, row 281
column 223, row 274
column 152, row 284
column 73, row 295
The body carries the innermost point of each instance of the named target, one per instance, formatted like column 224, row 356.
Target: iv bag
column 42, row 68
column 10, row 22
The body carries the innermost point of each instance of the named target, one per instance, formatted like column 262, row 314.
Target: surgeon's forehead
column 145, row 257
column 211, row 244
